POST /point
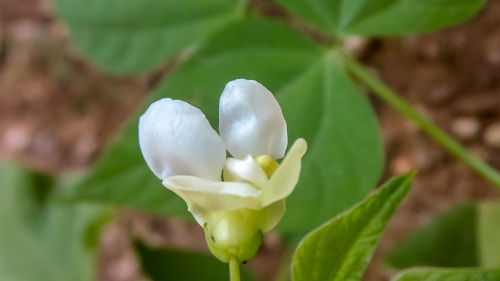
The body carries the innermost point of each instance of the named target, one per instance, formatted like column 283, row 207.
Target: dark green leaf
column 437, row 274
column 134, row 36
column 449, row 241
column 382, row 17
column 164, row 264
column 320, row 103
column 340, row 249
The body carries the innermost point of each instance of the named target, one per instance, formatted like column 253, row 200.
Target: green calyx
column 234, row 235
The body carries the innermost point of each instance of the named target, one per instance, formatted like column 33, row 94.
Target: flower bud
column 234, row 235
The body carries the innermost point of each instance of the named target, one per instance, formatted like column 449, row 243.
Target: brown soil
column 52, row 107
column 52, row 104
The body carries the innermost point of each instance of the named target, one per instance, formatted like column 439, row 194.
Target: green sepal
column 233, row 235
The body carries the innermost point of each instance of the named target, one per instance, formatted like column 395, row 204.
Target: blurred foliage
column 448, row 241
column 465, row 236
column 382, row 17
column 42, row 239
column 135, row 36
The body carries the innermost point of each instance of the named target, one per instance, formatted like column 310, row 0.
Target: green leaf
column 168, row 264
column 382, row 17
column 448, row 241
column 46, row 244
column 135, row 36
column 319, row 101
column 442, row 274
column 489, row 234
column 341, row 248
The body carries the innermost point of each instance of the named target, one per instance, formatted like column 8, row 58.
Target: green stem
column 234, row 270
column 389, row 96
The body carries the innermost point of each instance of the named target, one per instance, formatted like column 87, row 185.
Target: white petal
column 245, row 170
column 214, row 195
column 251, row 121
column 285, row 178
column 176, row 139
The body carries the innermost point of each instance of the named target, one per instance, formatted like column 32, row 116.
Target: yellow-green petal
column 285, row 178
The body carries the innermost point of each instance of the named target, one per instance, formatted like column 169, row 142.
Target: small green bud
column 234, row 234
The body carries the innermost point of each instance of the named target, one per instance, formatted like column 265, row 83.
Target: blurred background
column 57, row 113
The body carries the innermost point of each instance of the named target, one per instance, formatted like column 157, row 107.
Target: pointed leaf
column 340, row 249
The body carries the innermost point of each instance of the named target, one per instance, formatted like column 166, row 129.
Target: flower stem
column 389, row 96
column 234, row 270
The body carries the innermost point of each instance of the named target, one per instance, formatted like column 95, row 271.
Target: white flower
column 186, row 153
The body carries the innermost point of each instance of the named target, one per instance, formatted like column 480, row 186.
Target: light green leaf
column 340, row 249
column 168, row 264
column 135, row 36
column 42, row 242
column 442, row 274
column 448, row 241
column 382, row 17
column 320, row 103
column 489, row 234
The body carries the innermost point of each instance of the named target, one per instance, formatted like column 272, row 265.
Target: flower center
column 268, row 164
